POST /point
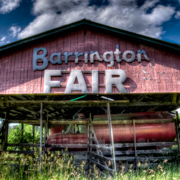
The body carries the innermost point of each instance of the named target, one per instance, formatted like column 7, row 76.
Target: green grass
column 54, row 167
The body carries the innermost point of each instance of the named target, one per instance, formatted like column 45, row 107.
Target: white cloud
column 14, row 30
column 177, row 15
column 119, row 13
column 7, row 6
column 3, row 40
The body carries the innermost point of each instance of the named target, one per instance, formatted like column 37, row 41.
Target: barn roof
column 91, row 24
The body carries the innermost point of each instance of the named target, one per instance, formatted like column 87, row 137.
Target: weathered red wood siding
column 161, row 74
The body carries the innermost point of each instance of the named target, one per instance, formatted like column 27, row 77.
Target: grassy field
column 54, row 167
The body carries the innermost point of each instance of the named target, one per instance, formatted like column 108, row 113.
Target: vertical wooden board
column 174, row 72
column 130, row 69
column 94, row 42
column 88, row 44
column 115, row 43
column 81, row 46
column 3, row 60
column 80, row 40
column 73, row 49
column 167, row 72
column 123, row 65
column 160, row 72
column 8, row 75
column 150, row 68
column 60, row 42
column 23, row 79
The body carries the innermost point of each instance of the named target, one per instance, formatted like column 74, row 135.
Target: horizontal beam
column 21, row 152
column 128, row 152
column 101, row 147
column 86, row 103
column 146, row 144
column 104, row 158
column 67, row 145
column 124, row 158
column 102, row 166
column 23, row 144
column 85, row 121
column 62, row 102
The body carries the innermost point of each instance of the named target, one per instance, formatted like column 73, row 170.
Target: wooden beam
column 88, row 103
column 134, row 136
column 100, row 157
column 101, row 147
column 146, row 158
column 85, row 121
column 21, row 152
column 145, row 144
column 23, row 144
column 177, row 130
column 102, row 166
column 174, row 99
column 41, row 129
column 67, row 145
column 111, row 135
column 33, row 132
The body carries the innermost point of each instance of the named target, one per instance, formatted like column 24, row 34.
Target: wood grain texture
column 160, row 75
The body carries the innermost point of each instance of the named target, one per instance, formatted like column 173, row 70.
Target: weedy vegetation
column 61, row 167
column 56, row 166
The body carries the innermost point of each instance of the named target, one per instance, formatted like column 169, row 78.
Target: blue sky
column 155, row 18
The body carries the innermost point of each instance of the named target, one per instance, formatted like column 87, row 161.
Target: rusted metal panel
column 161, row 74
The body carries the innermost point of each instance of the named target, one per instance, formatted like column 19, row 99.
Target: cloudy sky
column 155, row 18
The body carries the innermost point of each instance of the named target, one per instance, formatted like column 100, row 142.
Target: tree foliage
column 15, row 135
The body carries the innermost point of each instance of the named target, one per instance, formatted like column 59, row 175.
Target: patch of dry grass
column 56, row 167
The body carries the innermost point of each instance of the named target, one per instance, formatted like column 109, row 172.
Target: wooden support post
column 5, row 133
column 111, row 135
column 88, row 140
column 22, row 130
column 177, row 130
column 46, row 133
column 41, row 129
column 90, row 131
column 33, row 131
column 134, row 134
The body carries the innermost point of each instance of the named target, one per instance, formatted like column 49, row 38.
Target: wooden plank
column 41, row 131
column 85, row 121
column 104, row 158
column 23, row 145
column 101, row 147
column 111, row 135
column 128, row 152
column 63, row 102
column 71, row 152
column 124, row 158
column 21, row 152
column 94, row 104
column 102, row 166
column 134, row 136
column 67, row 145
column 33, row 131
column 177, row 132
column 92, row 139
column 121, row 145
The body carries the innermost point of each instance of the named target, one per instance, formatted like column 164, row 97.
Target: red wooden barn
column 96, row 70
